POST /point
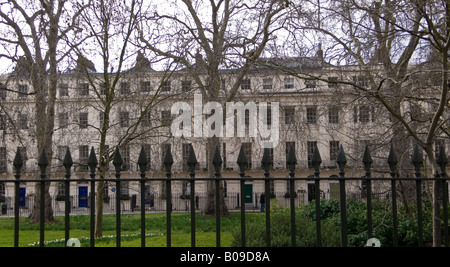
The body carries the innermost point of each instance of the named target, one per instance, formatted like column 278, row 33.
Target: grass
column 130, row 230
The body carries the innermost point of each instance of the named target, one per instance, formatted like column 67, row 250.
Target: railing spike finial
column 43, row 161
column 142, row 160
column 168, row 160
column 18, row 161
column 392, row 159
column 67, row 162
column 341, row 160
column 117, row 160
column 92, row 160
column 242, row 160
column 442, row 160
column 265, row 162
column 217, row 160
column 316, row 160
column 367, row 159
column 192, row 159
column 417, row 159
column 291, row 159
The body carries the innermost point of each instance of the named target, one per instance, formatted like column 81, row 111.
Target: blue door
column 83, row 196
column 22, row 193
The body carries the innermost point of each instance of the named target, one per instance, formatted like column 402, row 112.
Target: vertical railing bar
column 341, row 161
column 217, row 162
column 92, row 208
column 242, row 162
column 291, row 161
column 43, row 163
column 192, row 163
column 118, row 162
column 267, row 200
column 316, row 161
column 67, row 163
column 118, row 221
column 292, row 205
column 419, row 212
column 242, row 184
column 42, row 211
column 169, row 210
column 318, row 219
column 118, row 216
column 17, row 163
column 343, row 211
column 442, row 161
column 168, row 162
column 394, row 211
column 265, row 163
column 67, row 208
column 417, row 161
column 217, row 209
column 192, row 209
column 92, row 162
column 142, row 162
column 367, row 161
column 445, row 208
column 392, row 161
column 142, row 182
column 16, row 209
column 369, row 206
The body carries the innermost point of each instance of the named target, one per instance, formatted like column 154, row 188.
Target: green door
column 248, row 191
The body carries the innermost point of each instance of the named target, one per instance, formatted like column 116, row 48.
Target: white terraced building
column 314, row 110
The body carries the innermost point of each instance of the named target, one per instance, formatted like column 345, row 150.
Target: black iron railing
column 417, row 161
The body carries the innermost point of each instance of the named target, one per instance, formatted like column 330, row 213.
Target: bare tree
column 205, row 37
column 34, row 32
column 385, row 40
column 436, row 30
column 124, row 102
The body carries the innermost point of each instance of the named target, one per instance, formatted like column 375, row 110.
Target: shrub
column 280, row 220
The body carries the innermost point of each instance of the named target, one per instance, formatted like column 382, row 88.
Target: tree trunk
column 102, row 170
column 100, row 186
column 44, row 123
column 44, row 82
column 210, row 208
column 437, row 202
column 35, row 215
column 436, row 199
column 99, row 210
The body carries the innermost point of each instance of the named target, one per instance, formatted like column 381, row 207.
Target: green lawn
column 130, row 230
